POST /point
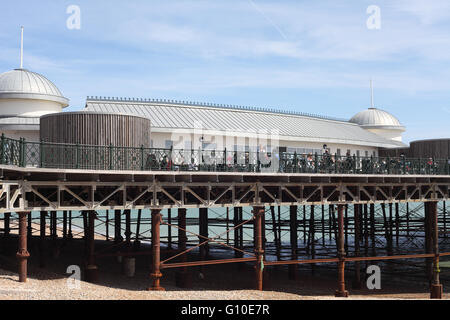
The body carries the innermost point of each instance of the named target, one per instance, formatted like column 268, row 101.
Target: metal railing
column 69, row 156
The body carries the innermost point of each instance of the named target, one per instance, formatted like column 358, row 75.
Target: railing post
column 258, row 162
column 24, row 149
column 388, row 165
column 2, row 160
column 295, row 162
column 225, row 168
column 41, row 154
column 316, row 163
column 335, row 162
column 142, row 157
column 110, row 156
column 20, row 152
column 77, row 154
column 170, row 160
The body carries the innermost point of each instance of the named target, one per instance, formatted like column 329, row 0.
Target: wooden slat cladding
column 437, row 148
column 96, row 129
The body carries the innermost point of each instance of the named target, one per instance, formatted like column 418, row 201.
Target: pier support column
column 183, row 277
column 169, row 229
column 259, row 265
column 22, row 253
column 70, row 235
column 156, row 274
column 312, row 237
column 341, row 292
column 42, row 241
column 436, row 287
column 275, row 234
column 237, row 232
column 428, row 240
column 54, row 233
column 137, row 242
column 117, row 227
column 91, row 268
column 30, row 228
column 127, row 214
column 293, row 225
column 203, row 225
column 7, row 224
column 357, row 222
column 64, row 225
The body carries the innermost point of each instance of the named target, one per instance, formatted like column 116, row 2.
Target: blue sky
column 309, row 56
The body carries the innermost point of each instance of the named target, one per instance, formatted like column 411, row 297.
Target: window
column 188, row 145
column 338, row 152
column 151, row 143
column 349, row 152
column 366, row 154
column 358, row 153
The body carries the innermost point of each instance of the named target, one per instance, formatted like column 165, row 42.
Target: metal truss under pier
column 26, row 190
column 30, row 189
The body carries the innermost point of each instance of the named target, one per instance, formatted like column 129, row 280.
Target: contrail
column 268, row 19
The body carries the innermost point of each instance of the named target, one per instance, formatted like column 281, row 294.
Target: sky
column 308, row 56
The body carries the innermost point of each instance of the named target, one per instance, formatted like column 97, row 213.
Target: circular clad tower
column 98, row 129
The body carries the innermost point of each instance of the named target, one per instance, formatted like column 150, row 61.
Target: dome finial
column 371, row 94
column 21, row 48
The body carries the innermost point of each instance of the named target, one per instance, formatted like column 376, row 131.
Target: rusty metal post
column 275, row 234
column 228, row 226
column 7, row 224
column 183, row 277
column 70, row 235
column 444, row 212
column 29, row 228
column 346, row 227
column 428, row 240
column 366, row 233
column 259, row 252
column 169, row 229
column 54, row 233
column 293, row 224
column 107, row 225
column 22, row 254
column 137, row 242
column 117, row 227
column 64, row 224
column 436, row 287
column 391, row 230
column 203, row 226
column 236, row 231
column 304, row 225
column 42, row 241
column 357, row 241
column 91, row 268
column 397, row 225
column 341, row 292
column 372, row 229
column 312, row 237
column 156, row 274
column 323, row 225
column 241, row 233
column 127, row 214
column 407, row 219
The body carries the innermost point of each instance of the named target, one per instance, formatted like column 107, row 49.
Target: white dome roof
column 373, row 118
column 24, row 84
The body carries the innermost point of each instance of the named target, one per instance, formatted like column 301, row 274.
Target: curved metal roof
column 169, row 116
column 376, row 118
column 25, row 84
